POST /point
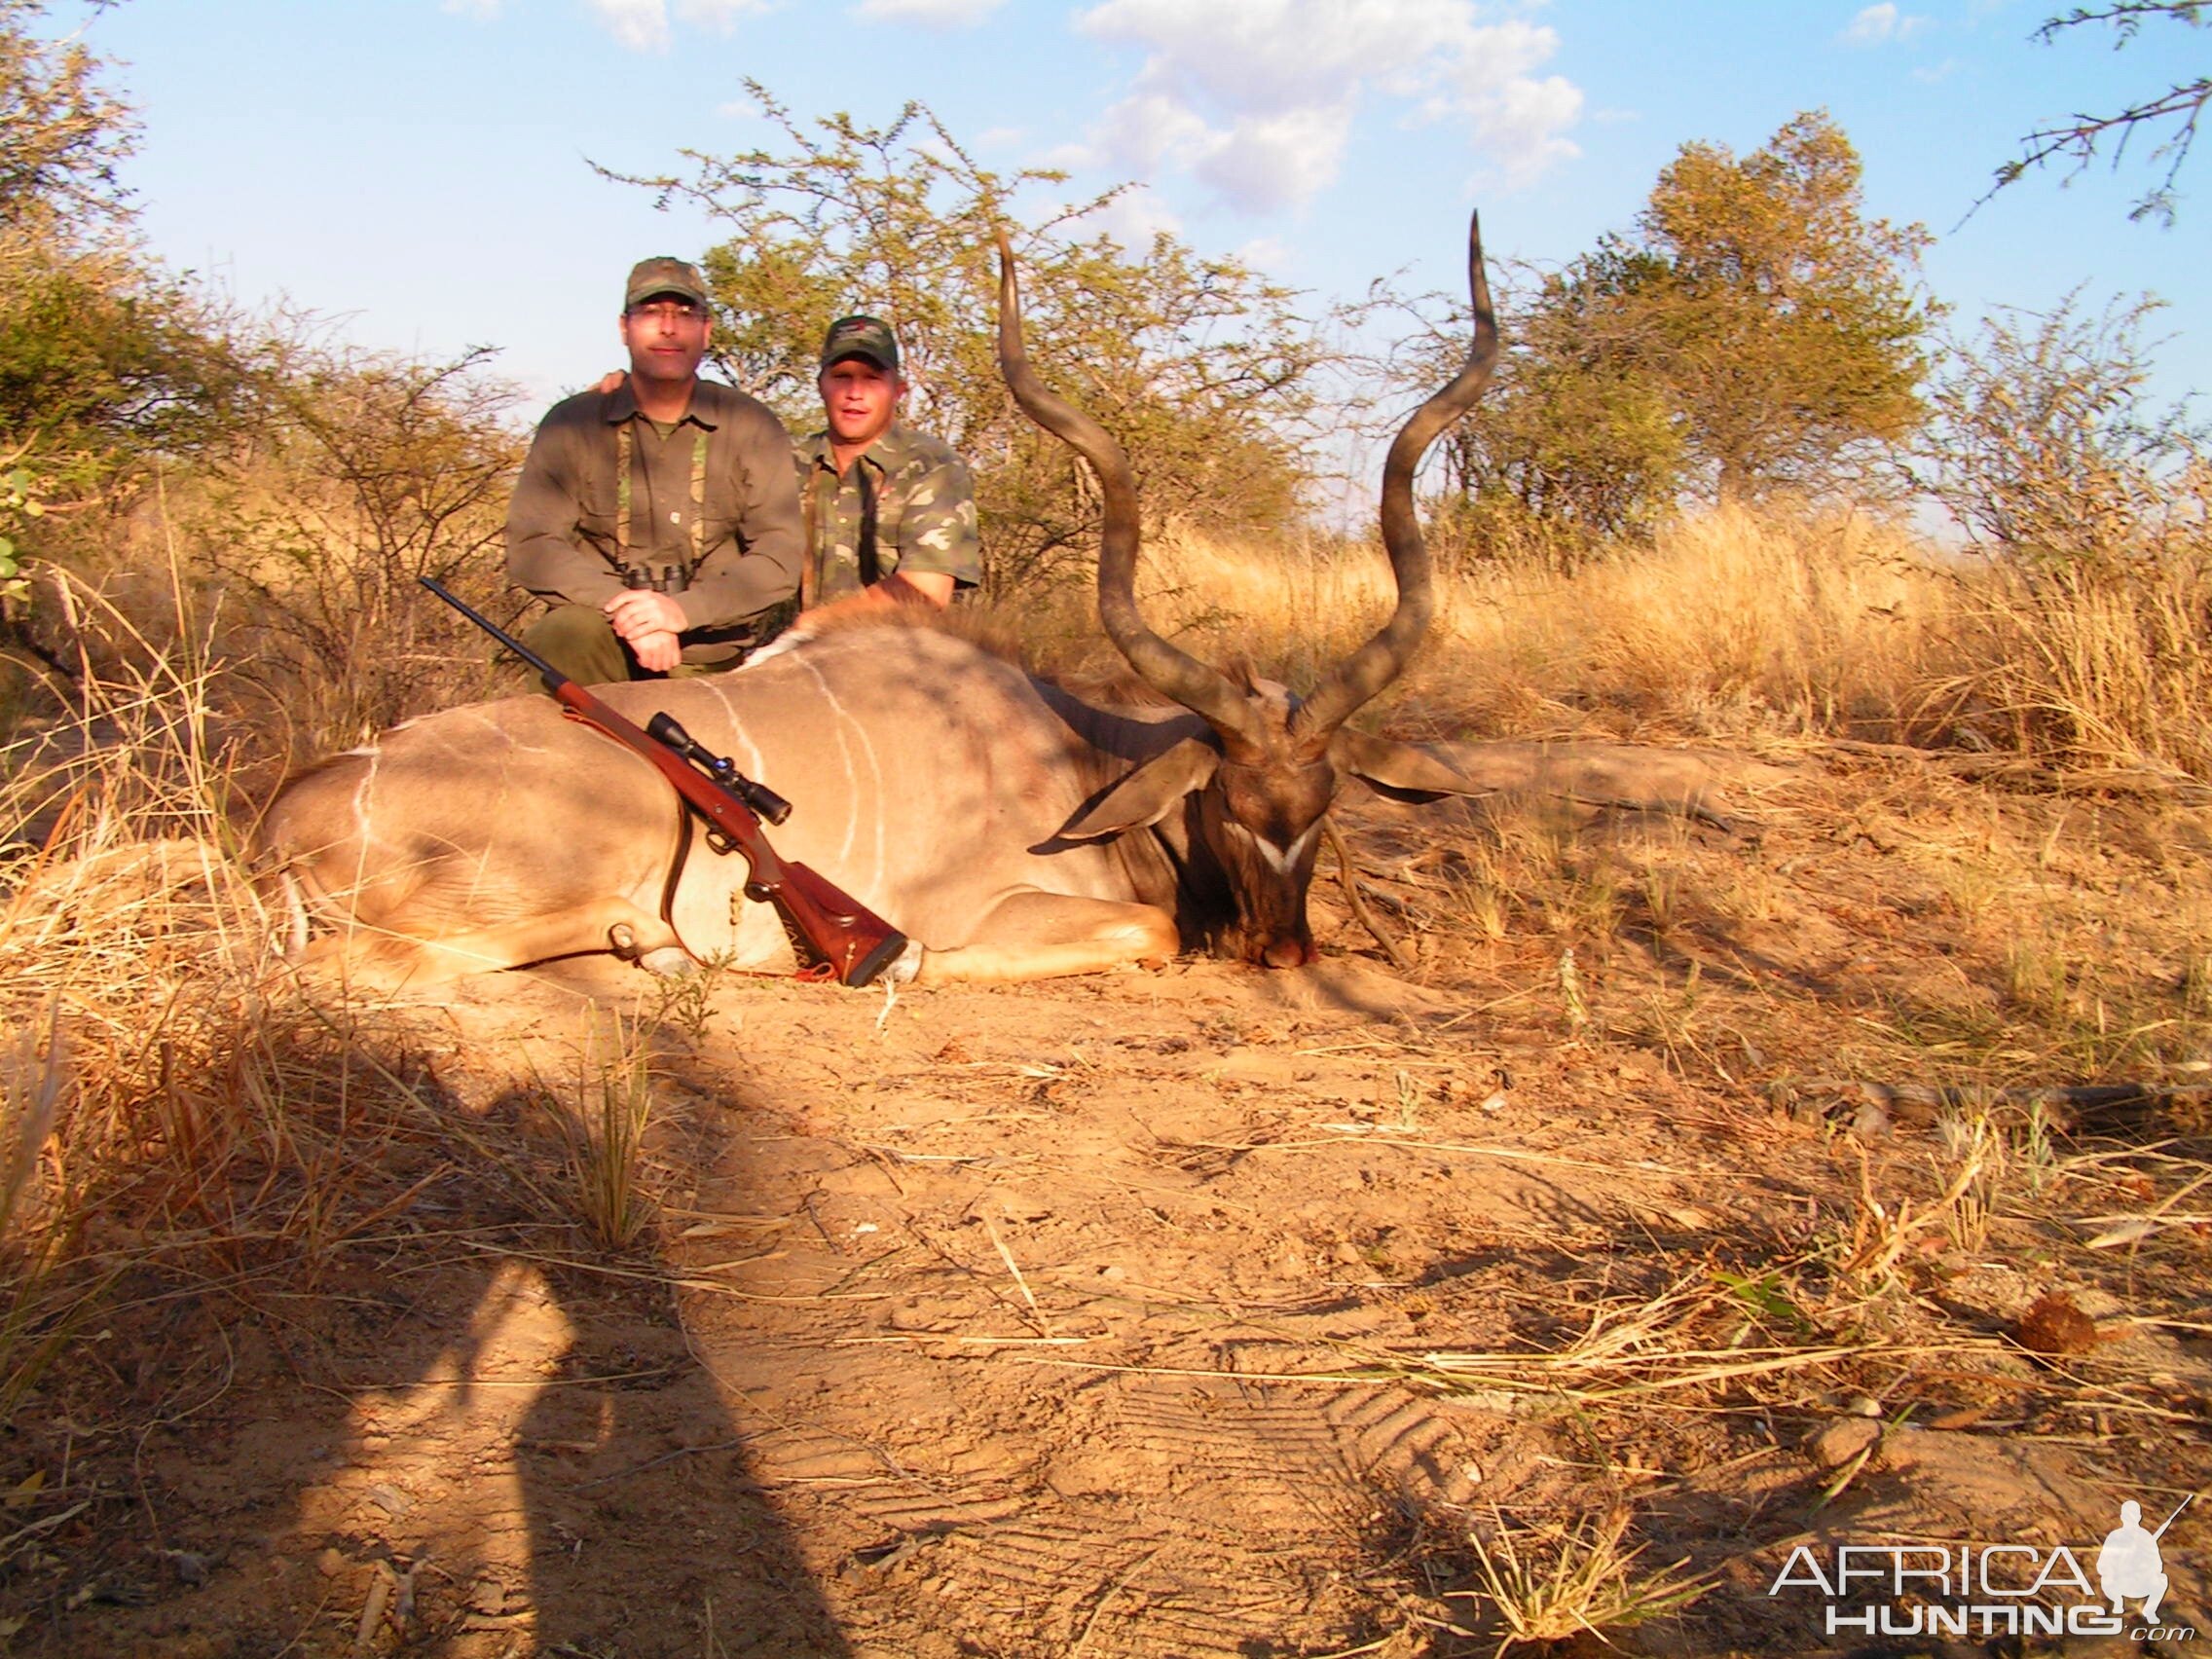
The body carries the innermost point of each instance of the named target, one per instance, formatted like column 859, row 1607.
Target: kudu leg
column 1042, row 936
column 391, row 962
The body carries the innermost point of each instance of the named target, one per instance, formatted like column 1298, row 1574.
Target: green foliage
column 17, row 505
column 1756, row 333
column 1787, row 323
column 105, row 361
column 1574, row 446
column 312, row 484
column 1197, row 366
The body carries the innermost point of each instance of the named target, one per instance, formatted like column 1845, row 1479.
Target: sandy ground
column 1197, row 1311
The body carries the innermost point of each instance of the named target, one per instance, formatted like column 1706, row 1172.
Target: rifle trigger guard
column 721, row 842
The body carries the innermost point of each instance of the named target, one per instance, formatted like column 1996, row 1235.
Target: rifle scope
column 762, row 800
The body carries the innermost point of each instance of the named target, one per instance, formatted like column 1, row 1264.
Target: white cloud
column 1518, row 120
column 642, row 25
column 1132, row 218
column 720, row 16
column 1264, row 254
column 1277, row 160
column 929, row 14
column 1875, row 24
column 1257, row 97
column 1140, row 133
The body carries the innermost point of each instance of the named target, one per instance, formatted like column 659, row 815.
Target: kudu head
column 1264, row 775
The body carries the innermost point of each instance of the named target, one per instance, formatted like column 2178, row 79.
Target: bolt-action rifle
column 839, row 932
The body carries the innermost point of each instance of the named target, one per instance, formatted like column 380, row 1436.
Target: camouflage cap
column 861, row 337
column 652, row 278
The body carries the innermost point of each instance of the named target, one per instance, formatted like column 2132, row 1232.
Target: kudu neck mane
column 988, row 630
column 1096, row 675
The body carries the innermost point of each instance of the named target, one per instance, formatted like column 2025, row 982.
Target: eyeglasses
column 668, row 311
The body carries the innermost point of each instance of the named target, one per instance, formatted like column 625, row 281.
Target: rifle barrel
column 2171, row 1518
column 552, row 675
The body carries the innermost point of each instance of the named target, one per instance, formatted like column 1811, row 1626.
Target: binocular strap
column 625, row 494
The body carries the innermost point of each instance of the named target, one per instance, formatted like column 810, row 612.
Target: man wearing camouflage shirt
column 655, row 514
column 890, row 513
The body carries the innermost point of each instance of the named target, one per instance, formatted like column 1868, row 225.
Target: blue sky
column 417, row 168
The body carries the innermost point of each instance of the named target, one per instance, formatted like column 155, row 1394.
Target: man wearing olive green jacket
column 657, row 516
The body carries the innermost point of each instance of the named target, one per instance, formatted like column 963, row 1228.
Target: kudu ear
column 1398, row 770
column 1149, row 793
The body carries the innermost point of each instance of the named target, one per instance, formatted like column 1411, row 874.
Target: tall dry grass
column 176, row 1117
column 2097, row 666
column 1737, row 625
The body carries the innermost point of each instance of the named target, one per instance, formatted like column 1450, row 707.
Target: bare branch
column 2079, row 138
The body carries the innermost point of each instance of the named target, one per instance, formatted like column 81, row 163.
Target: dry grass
column 1548, row 1583
column 603, row 1121
column 176, row 1112
column 1782, row 633
column 1741, row 625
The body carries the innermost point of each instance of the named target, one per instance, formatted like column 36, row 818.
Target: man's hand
column 648, row 623
column 641, row 611
column 657, row 653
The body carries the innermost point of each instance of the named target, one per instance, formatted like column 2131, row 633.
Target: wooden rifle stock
column 853, row 941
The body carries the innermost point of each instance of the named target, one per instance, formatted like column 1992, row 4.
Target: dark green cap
column 651, row 278
column 861, row 337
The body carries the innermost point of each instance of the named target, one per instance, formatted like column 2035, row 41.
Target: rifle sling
column 764, row 871
column 684, row 832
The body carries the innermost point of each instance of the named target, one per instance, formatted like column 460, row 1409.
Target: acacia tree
column 60, row 135
column 104, row 359
column 61, row 131
column 1200, row 368
column 103, row 356
column 2171, row 115
column 308, row 483
column 1784, row 324
column 361, row 473
column 1756, row 331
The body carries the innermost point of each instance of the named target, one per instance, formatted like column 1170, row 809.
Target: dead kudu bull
column 1012, row 830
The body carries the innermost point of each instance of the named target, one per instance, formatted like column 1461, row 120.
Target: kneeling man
column 658, row 516
column 890, row 512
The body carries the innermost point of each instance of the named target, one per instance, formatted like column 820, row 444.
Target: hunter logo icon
column 2129, row 1565
column 2013, row 1589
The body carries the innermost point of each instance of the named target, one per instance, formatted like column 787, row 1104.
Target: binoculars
column 669, row 578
